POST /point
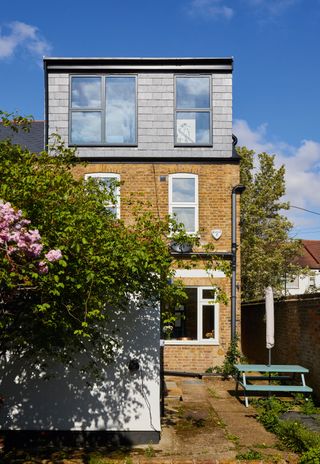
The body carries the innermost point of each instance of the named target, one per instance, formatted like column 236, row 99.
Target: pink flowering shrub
column 53, row 255
column 20, row 244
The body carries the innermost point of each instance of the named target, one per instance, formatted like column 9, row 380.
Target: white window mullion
column 216, row 322
column 215, row 308
column 200, row 314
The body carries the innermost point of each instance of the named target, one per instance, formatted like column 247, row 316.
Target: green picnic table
column 250, row 372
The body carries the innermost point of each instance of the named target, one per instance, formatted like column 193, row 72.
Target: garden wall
column 297, row 334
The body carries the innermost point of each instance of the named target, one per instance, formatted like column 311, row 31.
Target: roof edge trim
column 166, row 64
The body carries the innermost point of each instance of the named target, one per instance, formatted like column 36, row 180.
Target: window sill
column 102, row 145
column 193, row 145
column 213, row 341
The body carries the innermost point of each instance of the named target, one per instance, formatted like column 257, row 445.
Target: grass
column 213, row 393
column 234, row 438
column 149, row 452
column 250, row 455
column 293, row 435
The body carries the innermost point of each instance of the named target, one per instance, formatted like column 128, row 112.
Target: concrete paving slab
column 172, row 390
column 210, row 425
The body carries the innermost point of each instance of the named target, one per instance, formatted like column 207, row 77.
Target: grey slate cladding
column 32, row 140
column 155, row 104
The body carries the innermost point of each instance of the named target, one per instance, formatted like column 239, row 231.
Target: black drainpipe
column 237, row 190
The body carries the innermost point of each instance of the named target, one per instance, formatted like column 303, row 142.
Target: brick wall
column 297, row 334
column 215, row 185
column 191, row 358
column 142, row 180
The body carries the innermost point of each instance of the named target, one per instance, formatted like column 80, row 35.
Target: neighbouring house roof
column 310, row 254
column 32, row 140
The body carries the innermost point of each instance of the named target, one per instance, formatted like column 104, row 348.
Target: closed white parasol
column 269, row 320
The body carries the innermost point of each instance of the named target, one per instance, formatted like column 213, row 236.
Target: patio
column 205, row 421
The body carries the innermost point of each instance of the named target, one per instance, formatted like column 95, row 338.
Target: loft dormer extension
column 141, row 108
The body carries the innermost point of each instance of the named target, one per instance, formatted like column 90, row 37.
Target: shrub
column 312, row 456
column 297, row 437
column 233, row 356
column 292, row 434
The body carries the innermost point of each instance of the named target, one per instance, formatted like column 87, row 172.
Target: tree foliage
column 104, row 263
column 267, row 251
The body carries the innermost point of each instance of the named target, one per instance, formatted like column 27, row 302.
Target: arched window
column 110, row 178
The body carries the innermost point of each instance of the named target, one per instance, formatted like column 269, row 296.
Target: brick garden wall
column 297, row 334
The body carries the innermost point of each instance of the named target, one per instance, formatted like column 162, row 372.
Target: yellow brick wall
column 215, row 184
column 191, row 358
column 215, row 181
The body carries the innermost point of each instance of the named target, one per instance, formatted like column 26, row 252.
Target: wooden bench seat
column 277, row 388
column 269, row 377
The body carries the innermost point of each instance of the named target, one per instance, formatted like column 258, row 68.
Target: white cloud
column 215, row 9
column 302, row 165
column 17, row 36
column 271, row 7
column 221, row 9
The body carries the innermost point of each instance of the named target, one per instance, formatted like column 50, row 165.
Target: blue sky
column 275, row 45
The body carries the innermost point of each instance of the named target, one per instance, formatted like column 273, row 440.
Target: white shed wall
column 122, row 401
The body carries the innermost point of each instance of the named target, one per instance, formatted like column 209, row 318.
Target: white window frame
column 110, row 175
column 195, row 204
column 200, row 303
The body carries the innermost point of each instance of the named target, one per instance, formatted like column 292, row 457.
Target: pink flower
column 53, row 255
column 43, row 267
column 20, row 242
column 11, row 249
column 36, row 249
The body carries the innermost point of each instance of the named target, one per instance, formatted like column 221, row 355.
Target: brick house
column 162, row 127
column 310, row 259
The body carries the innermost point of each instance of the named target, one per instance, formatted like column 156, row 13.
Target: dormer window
column 193, row 111
column 103, row 110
